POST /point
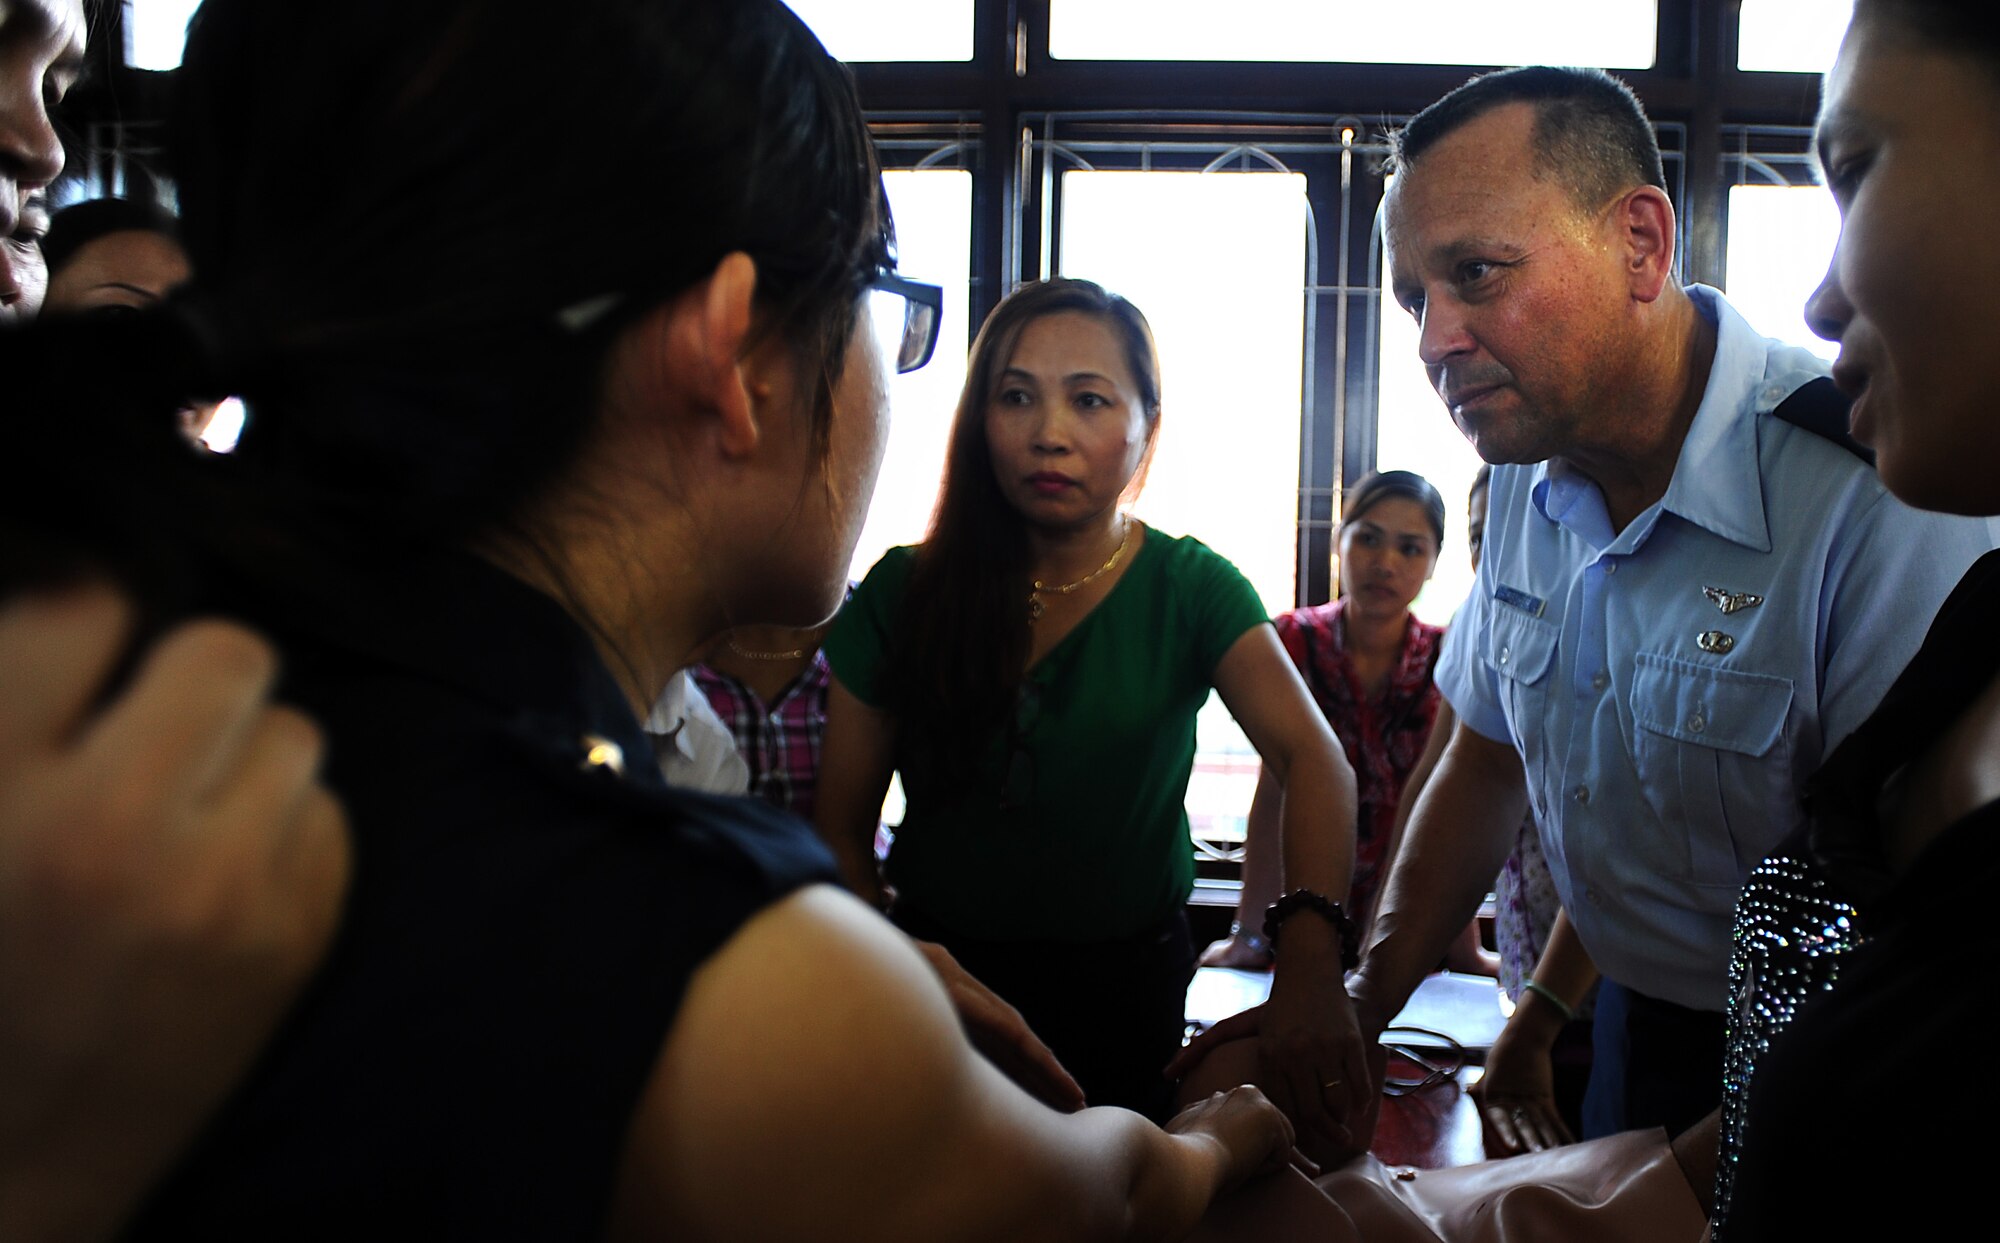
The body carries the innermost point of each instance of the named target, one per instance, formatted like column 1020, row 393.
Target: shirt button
column 1506, row 654
column 1600, row 680
column 1582, row 795
column 1610, row 567
column 1697, row 723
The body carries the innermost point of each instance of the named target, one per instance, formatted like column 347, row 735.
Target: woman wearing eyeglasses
column 1033, row 670
column 484, row 521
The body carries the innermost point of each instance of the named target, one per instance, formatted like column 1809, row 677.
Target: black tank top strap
column 1820, row 408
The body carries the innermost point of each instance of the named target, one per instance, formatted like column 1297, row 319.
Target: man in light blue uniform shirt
column 1670, row 686
column 1685, row 600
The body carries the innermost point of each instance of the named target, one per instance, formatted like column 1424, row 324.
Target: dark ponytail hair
column 416, row 224
column 416, row 227
column 962, row 641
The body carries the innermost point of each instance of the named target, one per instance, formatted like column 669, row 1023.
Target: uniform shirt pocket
column 1713, row 762
column 1520, row 650
column 1520, row 647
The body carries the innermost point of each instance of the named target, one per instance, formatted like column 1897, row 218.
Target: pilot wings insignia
column 1732, row 601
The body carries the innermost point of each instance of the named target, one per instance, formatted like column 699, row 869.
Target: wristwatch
column 1249, row 938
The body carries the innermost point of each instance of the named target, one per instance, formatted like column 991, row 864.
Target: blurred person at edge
column 1900, row 856
column 170, row 865
column 41, row 57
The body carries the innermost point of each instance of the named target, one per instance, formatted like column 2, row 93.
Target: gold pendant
column 1035, row 608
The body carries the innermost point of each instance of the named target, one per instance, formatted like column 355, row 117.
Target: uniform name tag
column 1531, row 605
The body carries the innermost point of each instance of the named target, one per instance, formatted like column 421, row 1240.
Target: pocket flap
column 1519, row 646
column 1723, row 708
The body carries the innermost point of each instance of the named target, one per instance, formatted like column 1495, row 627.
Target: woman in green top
column 1033, row 670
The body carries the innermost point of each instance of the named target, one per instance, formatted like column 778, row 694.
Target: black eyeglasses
column 905, row 314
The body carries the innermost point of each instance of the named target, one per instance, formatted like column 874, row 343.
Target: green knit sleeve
column 857, row 646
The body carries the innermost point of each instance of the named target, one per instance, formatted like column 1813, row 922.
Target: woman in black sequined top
column 1858, row 945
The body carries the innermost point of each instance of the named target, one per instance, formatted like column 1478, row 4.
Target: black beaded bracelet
column 1298, row 900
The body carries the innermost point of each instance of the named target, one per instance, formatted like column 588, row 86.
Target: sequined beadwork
column 1790, row 939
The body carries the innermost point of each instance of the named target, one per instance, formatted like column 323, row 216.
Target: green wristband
column 1548, row 994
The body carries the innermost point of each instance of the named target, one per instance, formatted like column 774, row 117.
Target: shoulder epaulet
column 1820, row 408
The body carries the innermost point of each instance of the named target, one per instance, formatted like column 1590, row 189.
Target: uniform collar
column 1718, row 484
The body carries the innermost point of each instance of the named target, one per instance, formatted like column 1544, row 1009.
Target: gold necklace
column 1035, row 606
column 747, row 654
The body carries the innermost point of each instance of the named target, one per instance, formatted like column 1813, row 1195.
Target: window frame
column 1013, row 103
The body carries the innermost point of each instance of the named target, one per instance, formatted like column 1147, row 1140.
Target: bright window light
column 1799, row 36
column 155, row 31
column 1414, row 432
column 1228, row 312
column 1780, row 239
column 933, row 210
column 1217, row 261
column 890, row 29
column 1616, row 34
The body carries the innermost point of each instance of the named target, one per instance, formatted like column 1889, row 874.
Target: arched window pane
column 890, row 29
column 1800, row 36
column 1780, row 238
column 1617, row 34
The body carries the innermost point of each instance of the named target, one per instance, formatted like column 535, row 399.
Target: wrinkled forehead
column 1069, row 343
column 1436, row 211
column 1456, row 189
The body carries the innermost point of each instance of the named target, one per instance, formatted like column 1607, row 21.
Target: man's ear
column 707, row 330
column 1644, row 219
